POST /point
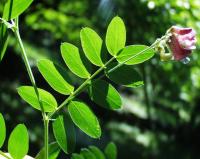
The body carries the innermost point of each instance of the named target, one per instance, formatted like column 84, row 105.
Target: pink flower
column 182, row 42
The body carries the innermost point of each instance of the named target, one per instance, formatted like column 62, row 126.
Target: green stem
column 32, row 79
column 80, row 88
column 46, row 137
column 4, row 155
column 28, row 67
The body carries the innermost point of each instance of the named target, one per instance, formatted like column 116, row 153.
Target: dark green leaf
column 2, row 130
column 84, row 118
column 91, row 44
column 87, row 154
column 111, row 151
column 64, row 133
column 48, row 70
column 124, row 75
column 105, row 95
column 18, row 143
column 53, row 152
column 28, row 94
column 74, row 60
column 137, row 53
column 13, row 8
column 116, row 36
column 97, row 152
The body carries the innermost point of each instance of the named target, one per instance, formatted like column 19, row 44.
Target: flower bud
column 181, row 42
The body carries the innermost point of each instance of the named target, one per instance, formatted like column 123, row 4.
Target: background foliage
column 159, row 120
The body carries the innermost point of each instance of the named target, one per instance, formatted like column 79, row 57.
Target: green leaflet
column 18, row 143
column 13, row 8
column 105, row 95
column 52, row 75
column 116, row 36
column 4, row 37
column 84, row 118
column 28, row 94
column 74, row 60
column 77, row 156
column 124, row 75
column 94, row 152
column 97, row 152
column 87, row 154
column 111, row 151
column 137, row 53
column 2, row 130
column 91, row 44
column 64, row 133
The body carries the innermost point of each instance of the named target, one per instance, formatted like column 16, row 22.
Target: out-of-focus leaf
column 84, row 118
column 87, row 154
column 111, row 151
column 48, row 70
column 18, row 143
column 124, row 75
column 105, row 95
column 64, row 133
column 116, row 36
column 97, row 152
column 137, row 54
column 28, row 94
column 77, row 156
column 91, row 44
column 53, row 152
column 2, row 130
column 13, row 8
column 74, row 60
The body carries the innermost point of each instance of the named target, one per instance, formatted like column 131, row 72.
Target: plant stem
column 32, row 79
column 80, row 88
column 4, row 155
column 46, row 136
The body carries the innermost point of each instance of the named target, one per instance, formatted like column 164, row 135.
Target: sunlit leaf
column 84, row 118
column 2, row 130
column 51, row 74
column 13, row 8
column 111, row 151
column 64, row 133
column 97, row 152
column 53, row 152
column 28, row 94
column 135, row 54
column 130, row 77
column 115, row 36
column 105, row 95
column 91, row 44
column 18, row 143
column 74, row 60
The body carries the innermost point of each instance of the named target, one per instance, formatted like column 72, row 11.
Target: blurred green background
column 160, row 120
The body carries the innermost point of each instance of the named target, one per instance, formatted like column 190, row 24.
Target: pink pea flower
column 182, row 42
